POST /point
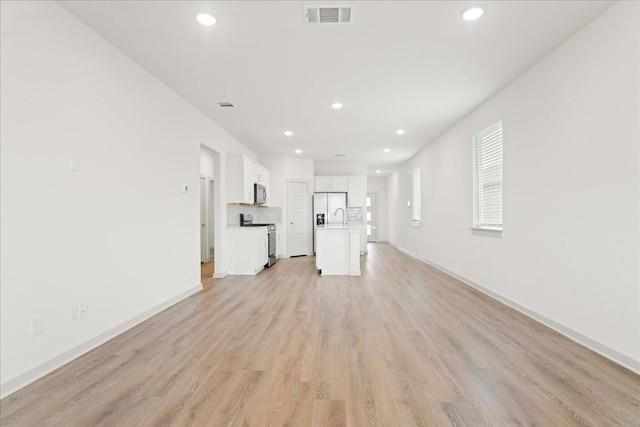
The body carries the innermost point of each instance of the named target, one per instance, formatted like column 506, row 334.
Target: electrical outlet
column 82, row 308
column 36, row 324
column 73, row 312
column 492, row 270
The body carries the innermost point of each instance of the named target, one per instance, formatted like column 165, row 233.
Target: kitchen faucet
column 336, row 213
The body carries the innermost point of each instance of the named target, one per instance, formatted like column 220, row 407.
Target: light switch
column 184, row 188
column 74, row 163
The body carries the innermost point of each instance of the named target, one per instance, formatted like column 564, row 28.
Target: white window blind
column 416, row 213
column 487, row 178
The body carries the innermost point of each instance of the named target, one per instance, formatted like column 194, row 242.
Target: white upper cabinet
column 322, row 184
column 331, row 184
column 353, row 185
column 261, row 176
column 242, row 173
column 248, row 172
column 340, row 183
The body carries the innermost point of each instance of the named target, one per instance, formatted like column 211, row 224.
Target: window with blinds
column 487, row 178
column 416, row 213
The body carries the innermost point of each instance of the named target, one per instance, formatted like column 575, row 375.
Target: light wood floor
column 206, row 270
column 403, row 345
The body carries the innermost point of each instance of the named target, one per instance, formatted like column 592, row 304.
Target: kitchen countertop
column 249, row 227
column 341, row 226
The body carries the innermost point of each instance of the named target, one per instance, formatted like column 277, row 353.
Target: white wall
column 297, row 168
column 570, row 251
column 378, row 185
column 341, row 168
column 118, row 234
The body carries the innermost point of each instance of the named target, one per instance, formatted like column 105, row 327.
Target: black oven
column 272, row 246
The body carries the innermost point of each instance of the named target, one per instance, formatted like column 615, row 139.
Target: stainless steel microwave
column 259, row 194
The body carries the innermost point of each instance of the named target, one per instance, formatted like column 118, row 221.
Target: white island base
column 338, row 250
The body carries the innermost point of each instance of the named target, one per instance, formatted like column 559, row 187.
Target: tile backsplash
column 261, row 214
column 354, row 215
column 273, row 215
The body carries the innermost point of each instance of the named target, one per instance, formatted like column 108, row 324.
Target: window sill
column 487, row 231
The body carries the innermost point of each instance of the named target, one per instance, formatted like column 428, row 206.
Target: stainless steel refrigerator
column 328, row 209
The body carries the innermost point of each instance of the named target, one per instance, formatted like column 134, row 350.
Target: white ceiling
column 414, row 65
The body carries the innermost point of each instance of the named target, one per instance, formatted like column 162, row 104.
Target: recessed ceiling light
column 336, row 105
column 298, row 151
column 386, row 150
column 378, row 171
column 288, row 132
column 472, row 13
column 206, row 19
column 400, row 131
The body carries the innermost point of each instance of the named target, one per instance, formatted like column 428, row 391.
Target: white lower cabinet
column 338, row 250
column 248, row 249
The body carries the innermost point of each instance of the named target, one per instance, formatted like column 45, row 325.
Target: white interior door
column 371, row 217
column 210, row 217
column 204, row 250
column 298, row 221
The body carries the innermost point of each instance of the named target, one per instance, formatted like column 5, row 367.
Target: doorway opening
column 209, row 192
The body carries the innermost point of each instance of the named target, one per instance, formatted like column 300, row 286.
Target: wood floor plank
column 402, row 345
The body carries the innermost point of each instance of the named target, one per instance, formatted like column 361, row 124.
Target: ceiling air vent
column 336, row 14
column 226, row 104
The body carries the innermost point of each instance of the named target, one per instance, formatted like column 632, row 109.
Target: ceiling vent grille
column 336, row 14
column 226, row 104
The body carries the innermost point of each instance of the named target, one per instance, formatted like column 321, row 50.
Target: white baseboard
column 220, row 275
column 33, row 374
column 602, row 349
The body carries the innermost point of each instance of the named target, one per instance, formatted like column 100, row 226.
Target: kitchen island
column 338, row 249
